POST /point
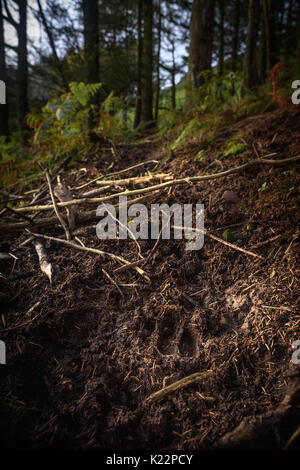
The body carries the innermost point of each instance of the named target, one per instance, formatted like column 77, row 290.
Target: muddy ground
column 82, row 363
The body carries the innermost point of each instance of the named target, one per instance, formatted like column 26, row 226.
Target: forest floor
column 82, row 359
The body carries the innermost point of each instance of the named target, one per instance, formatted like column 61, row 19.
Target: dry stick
column 89, row 250
column 166, row 184
column 63, row 194
column 255, row 150
column 33, row 308
column 17, row 327
column 253, row 428
column 213, row 237
column 45, row 266
column 116, row 173
column 112, row 281
column 154, row 248
column 40, row 192
column 135, row 180
column 59, row 216
column 130, row 232
column 12, row 197
column 143, row 261
column 187, row 297
column 22, row 216
column 157, row 396
column 294, row 437
column 113, row 148
column 49, row 221
column 94, row 192
column 125, row 267
column 266, row 241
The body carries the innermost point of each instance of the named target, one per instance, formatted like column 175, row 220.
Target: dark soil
column 81, row 365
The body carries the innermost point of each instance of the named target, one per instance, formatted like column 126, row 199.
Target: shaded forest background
column 149, row 63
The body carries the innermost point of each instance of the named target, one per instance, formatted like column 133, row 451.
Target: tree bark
column 201, row 40
column 147, row 69
column 58, row 63
column 289, row 30
column 138, row 106
column 173, row 91
column 221, row 47
column 91, row 40
column 4, row 130
column 22, row 73
column 91, row 48
column 21, row 49
column 250, row 73
column 235, row 39
column 298, row 41
column 157, row 65
column 269, row 18
column 262, row 59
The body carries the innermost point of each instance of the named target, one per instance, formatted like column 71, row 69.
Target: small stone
column 231, row 196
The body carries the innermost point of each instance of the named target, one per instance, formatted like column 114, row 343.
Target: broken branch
column 157, row 396
column 166, row 184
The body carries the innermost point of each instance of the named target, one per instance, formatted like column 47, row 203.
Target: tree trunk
column 147, row 69
column 157, row 65
column 173, row 92
column 250, row 74
column 91, row 40
column 3, row 107
column 262, row 59
column 22, row 73
column 59, row 65
column 289, row 31
column 298, row 41
column 201, row 40
column 221, row 48
column 269, row 18
column 91, row 48
column 235, row 39
column 138, row 106
column 280, row 25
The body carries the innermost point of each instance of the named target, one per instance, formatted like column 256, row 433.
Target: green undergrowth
column 232, row 147
column 61, row 129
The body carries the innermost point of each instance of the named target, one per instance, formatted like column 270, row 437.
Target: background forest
column 120, row 67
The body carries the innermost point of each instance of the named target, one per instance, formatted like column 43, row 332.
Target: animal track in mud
column 177, row 339
column 165, row 344
column 188, row 344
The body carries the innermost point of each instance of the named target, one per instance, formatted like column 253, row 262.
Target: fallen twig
column 45, row 266
column 266, row 241
column 293, row 438
column 116, row 173
column 154, row 248
column 19, row 214
column 59, row 216
column 94, row 192
column 89, row 250
column 112, row 281
column 130, row 233
column 12, row 197
column 220, row 240
column 187, row 180
column 50, row 221
column 135, row 180
column 157, row 396
column 253, row 428
column 142, row 261
column 63, row 194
